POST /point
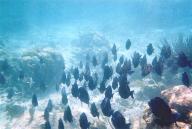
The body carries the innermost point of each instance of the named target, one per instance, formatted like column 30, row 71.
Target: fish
column 76, row 73
column 75, row 90
column 50, row 105
column 102, row 86
column 10, row 93
column 21, row 75
column 118, row 121
column 80, row 64
column 106, row 107
column 143, row 61
column 118, row 68
column 182, row 60
column 128, row 44
column 108, row 92
column 64, row 78
column 47, row 125
column 185, row 79
column 107, row 72
column 105, row 59
column 114, row 52
column 87, row 72
column 68, row 79
column 68, row 117
column 124, row 90
column 64, row 98
column 46, row 114
column 91, row 84
column 126, row 68
column 146, row 70
column 162, row 112
column 136, row 59
column 81, row 76
column 61, row 124
column 166, row 51
column 121, row 59
column 158, row 66
column 83, row 121
column 94, row 61
column 94, row 110
column 84, row 95
column 150, row 49
column 115, row 83
column 34, row 100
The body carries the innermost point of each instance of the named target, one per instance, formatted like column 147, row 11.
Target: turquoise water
column 42, row 39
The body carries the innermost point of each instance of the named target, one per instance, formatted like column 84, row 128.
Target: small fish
column 68, row 79
column 143, row 61
column 118, row 68
column 182, row 60
column 60, row 125
column 81, row 76
column 107, row 72
column 34, row 100
column 47, row 125
column 76, row 73
column 94, row 110
column 108, row 92
column 158, row 66
column 105, row 59
column 126, row 68
column 185, row 79
column 166, row 51
column 64, row 78
column 50, row 105
column 150, row 49
column 128, row 44
column 114, row 50
column 136, row 59
column 83, row 121
column 115, row 83
column 2, row 79
column 64, row 98
column 75, row 90
column 118, row 121
column 84, row 95
column 124, row 90
column 146, row 70
column 68, row 115
column 94, row 61
column 106, row 107
column 102, row 86
column 91, row 84
column 121, row 59
column 46, row 114
column 80, row 64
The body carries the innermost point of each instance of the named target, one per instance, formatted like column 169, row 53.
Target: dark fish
column 146, row 70
column 143, row 61
column 114, row 50
column 87, row 72
column 91, row 84
column 50, row 105
column 46, row 114
column 94, row 61
column 166, row 51
column 95, row 78
column 107, row 72
column 80, row 64
column 115, row 83
column 83, row 95
column 34, row 100
column 64, row 78
column 83, row 121
column 76, row 73
column 68, row 115
column 128, row 44
column 64, row 99
column 60, row 125
column 106, row 107
column 136, row 59
column 108, row 92
column 21, row 75
column 158, row 66
column 126, row 68
column 47, row 125
column 81, row 76
column 102, row 86
column 121, row 59
column 68, row 80
column 162, row 112
column 185, row 79
column 105, row 59
column 75, row 90
column 94, row 110
column 124, row 90
column 118, row 68
column 115, row 57
column 10, row 93
column 150, row 49
column 118, row 121
column 182, row 60
column 2, row 79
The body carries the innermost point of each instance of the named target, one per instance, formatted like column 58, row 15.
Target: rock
column 179, row 98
